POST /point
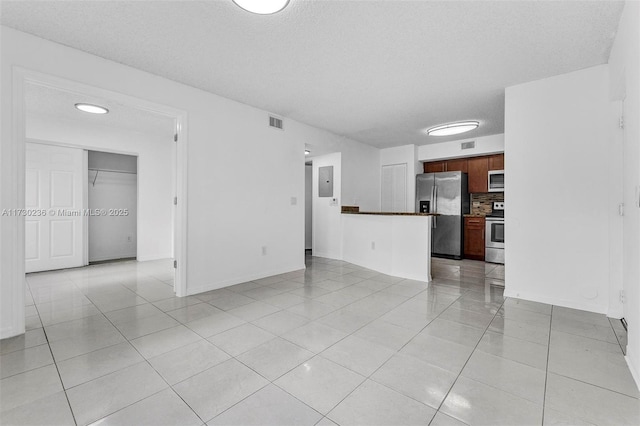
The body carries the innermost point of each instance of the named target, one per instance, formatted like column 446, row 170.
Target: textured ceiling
column 376, row 71
column 41, row 100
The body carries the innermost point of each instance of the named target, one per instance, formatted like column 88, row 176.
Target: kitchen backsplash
column 486, row 202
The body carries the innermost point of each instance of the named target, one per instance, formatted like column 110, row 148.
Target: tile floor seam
column 154, row 369
column 465, row 364
column 73, row 415
column 33, row 368
column 594, row 385
column 379, row 367
column 546, row 372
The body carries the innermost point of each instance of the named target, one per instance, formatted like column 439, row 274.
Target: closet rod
column 110, row 171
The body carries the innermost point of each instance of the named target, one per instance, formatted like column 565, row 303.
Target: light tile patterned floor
column 335, row 344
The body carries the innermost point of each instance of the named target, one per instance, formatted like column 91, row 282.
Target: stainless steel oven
column 494, row 235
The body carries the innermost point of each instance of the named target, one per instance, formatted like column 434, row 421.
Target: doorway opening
column 112, row 199
column 46, row 117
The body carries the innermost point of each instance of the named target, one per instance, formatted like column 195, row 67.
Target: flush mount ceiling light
column 92, row 109
column 453, row 128
column 262, row 7
column 307, row 152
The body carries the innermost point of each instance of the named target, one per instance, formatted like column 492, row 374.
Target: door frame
column 23, row 76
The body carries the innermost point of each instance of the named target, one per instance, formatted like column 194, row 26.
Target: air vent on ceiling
column 468, row 145
column 275, row 122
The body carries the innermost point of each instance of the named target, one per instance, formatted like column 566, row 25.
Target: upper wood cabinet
column 435, row 167
column 496, row 162
column 478, row 170
column 457, row 165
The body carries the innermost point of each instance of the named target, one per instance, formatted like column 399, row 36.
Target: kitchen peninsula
column 397, row 244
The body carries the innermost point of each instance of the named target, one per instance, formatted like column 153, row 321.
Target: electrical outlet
column 373, row 245
column 294, row 201
column 621, row 296
column 264, row 250
column 129, row 238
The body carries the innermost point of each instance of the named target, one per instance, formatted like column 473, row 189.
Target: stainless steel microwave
column 496, row 181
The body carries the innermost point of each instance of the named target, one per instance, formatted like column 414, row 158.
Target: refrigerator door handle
column 434, row 199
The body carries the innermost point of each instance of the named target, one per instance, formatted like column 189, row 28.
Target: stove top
column 498, row 210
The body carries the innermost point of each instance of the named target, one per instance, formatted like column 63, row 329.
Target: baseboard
column 243, row 279
column 147, row 258
column 326, row 255
column 633, row 371
column 554, row 301
column 113, row 257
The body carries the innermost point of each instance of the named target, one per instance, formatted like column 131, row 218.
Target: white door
column 394, row 188
column 54, row 221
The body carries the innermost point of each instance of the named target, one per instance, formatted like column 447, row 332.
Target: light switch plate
column 294, row 201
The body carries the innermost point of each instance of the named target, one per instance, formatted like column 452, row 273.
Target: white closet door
column 394, row 188
column 53, row 238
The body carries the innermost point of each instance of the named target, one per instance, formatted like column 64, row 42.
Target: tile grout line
column 153, row 368
column 55, row 363
column 546, row 370
column 467, row 361
column 319, row 353
column 129, row 342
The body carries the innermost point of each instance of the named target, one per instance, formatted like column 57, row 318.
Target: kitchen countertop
column 393, row 213
column 474, row 215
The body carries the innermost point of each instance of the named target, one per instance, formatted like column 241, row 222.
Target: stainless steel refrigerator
column 446, row 194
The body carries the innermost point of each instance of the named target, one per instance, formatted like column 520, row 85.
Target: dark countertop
column 393, row 213
column 474, row 215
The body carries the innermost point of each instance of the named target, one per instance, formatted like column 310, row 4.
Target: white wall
column 327, row 229
column 485, row 145
column 308, row 207
column 557, row 140
column 360, row 168
column 405, row 154
column 155, row 175
column 624, row 71
column 241, row 174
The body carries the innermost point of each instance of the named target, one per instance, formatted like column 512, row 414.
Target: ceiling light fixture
column 92, row 109
column 453, row 128
column 307, row 152
column 262, row 7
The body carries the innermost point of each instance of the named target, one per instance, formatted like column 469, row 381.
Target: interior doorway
column 145, row 133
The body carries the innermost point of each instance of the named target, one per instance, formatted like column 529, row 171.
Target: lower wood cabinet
column 474, row 238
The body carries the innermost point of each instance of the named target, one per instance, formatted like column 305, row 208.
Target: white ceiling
column 376, row 71
column 59, row 104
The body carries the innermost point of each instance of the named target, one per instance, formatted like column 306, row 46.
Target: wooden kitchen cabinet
column 457, row 165
column 478, row 170
column 435, row 167
column 496, row 162
column 474, row 238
